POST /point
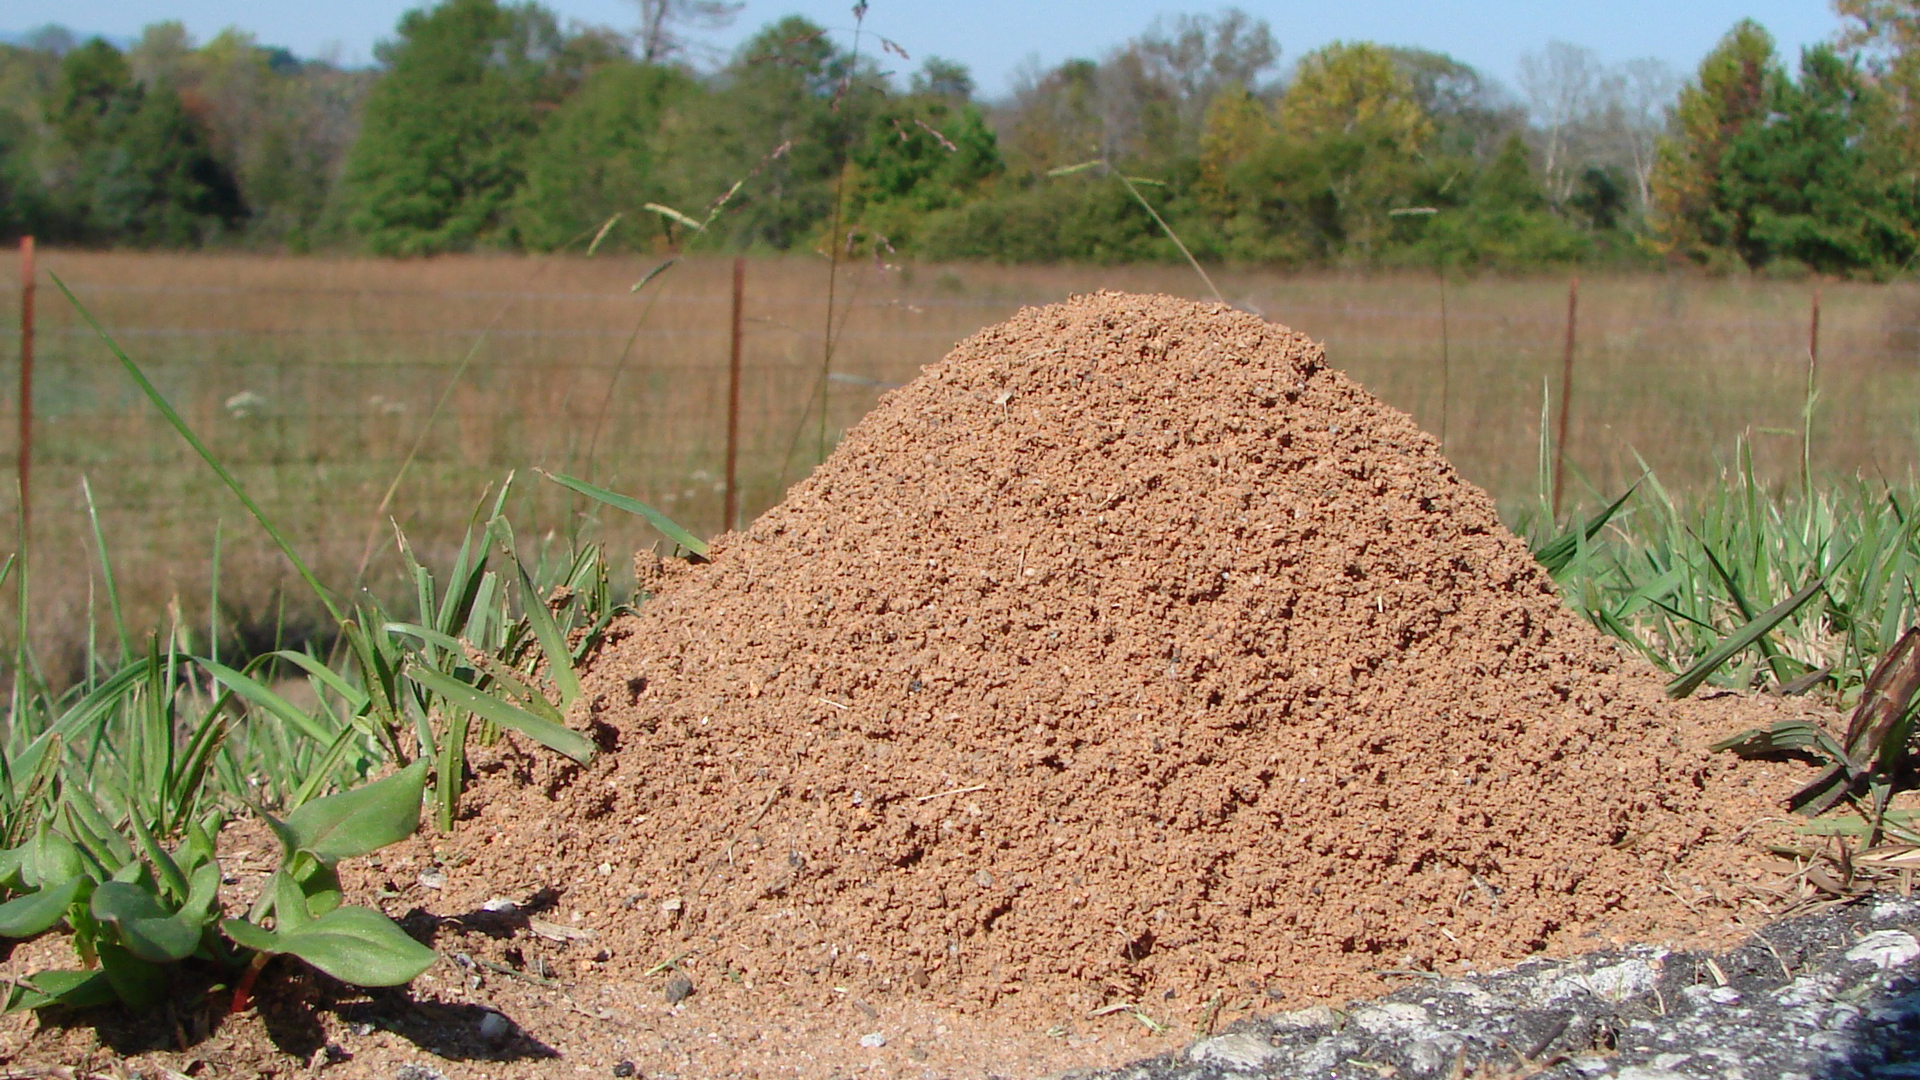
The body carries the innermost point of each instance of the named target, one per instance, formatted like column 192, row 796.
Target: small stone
column 873, row 1040
column 1648, row 1072
column 1724, row 995
column 1313, row 1016
column 1238, row 1050
column 1392, row 1018
column 1885, row 949
column 433, row 878
column 624, row 1069
column 499, row 904
column 984, row 879
column 495, row 1028
column 411, row 1071
column 679, row 989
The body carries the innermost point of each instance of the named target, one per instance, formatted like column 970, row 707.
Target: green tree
column 94, row 79
column 442, row 147
column 1806, row 182
column 154, row 179
column 921, row 154
column 597, row 155
column 1502, row 221
column 780, row 122
column 135, row 166
column 1736, row 83
column 1350, row 153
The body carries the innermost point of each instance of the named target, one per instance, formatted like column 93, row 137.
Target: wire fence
column 328, row 386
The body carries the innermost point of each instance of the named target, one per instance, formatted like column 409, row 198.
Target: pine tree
column 1736, row 83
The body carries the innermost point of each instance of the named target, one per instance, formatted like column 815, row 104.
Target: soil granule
column 1129, row 671
column 1130, row 654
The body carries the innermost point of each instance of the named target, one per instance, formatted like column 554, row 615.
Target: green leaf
column 74, row 989
column 545, row 732
column 654, row 517
column 363, row 819
column 257, row 693
column 249, row 936
column 171, row 876
column 1734, row 643
column 54, row 858
column 13, row 862
column 140, row 983
column 92, row 833
column 321, row 673
column 323, row 768
column 353, row 944
column 104, row 701
column 202, row 891
column 290, row 911
column 1787, row 735
column 25, row 916
column 429, row 635
column 553, row 643
column 180, row 427
column 1558, row 554
column 320, row 883
column 148, row 930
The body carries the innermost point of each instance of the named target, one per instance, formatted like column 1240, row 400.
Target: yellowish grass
column 314, row 378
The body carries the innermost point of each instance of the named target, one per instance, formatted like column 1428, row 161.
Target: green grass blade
column 252, row 690
column 552, row 642
column 654, row 517
column 106, row 571
column 355, row 698
column 1690, row 680
column 179, row 425
column 545, row 732
column 445, row 642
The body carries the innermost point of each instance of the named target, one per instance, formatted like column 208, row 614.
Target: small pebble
column 873, row 1040
column 433, row 879
column 679, row 989
column 624, row 1069
column 410, row 1071
column 495, row 1028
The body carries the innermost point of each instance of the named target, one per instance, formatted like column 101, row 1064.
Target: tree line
column 491, row 125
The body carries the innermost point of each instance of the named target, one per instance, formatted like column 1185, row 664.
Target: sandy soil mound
column 1131, row 654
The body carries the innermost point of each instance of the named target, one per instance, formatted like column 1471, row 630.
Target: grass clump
column 114, row 791
column 1752, row 588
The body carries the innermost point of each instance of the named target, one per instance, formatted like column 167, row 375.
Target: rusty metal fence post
column 730, row 514
column 1566, row 400
column 26, row 384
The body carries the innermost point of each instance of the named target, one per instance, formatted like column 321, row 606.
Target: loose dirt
column 1129, row 670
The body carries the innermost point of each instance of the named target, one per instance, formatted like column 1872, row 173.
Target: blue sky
column 993, row 37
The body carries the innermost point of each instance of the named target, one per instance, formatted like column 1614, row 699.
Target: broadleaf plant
column 132, row 919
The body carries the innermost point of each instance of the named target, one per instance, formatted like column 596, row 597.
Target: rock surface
column 1833, row 996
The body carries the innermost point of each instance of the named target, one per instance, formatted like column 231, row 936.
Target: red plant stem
column 243, row 990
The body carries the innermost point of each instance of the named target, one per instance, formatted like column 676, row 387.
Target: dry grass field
column 316, row 380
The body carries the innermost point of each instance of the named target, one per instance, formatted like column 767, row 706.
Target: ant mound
column 1131, row 653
